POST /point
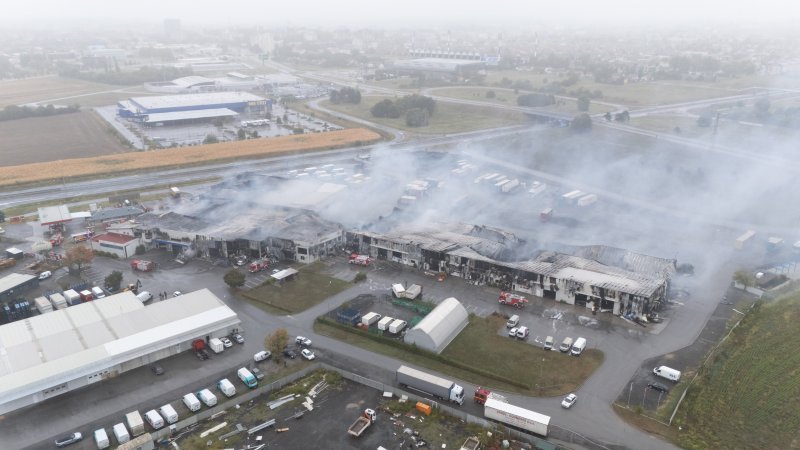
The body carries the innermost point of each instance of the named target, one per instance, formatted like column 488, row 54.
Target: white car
column 177, row 294
column 304, row 341
column 569, row 400
column 308, row 354
column 512, row 332
column 522, row 332
column 45, row 275
column 262, row 355
column 226, row 342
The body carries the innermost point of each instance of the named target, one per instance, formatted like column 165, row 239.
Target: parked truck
column 412, row 293
column 86, row 295
column 135, row 423
column 397, row 326
column 58, row 301
column 216, row 345
column 142, row 265
column 72, row 297
column 430, row 384
column 384, row 323
column 370, row 318
column 362, row 423
column 359, row 260
column 482, row 394
column 507, row 298
column 43, row 305
column 515, row 416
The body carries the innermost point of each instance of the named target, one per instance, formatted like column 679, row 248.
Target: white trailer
column 43, row 305
column 587, row 200
column 135, row 423
column 537, row 187
column 397, row 326
column 515, row 416
column 216, row 345
column 509, row 186
column 741, row 240
column 370, row 318
column 58, row 300
column 384, row 323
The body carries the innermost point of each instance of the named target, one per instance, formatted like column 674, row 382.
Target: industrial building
column 439, row 68
column 191, row 107
column 438, row 329
column 233, row 81
column 12, row 285
column 605, row 278
column 55, row 353
column 122, row 245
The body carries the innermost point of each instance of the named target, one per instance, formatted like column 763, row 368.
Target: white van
column 101, row 438
column 566, row 344
column 226, row 387
column 144, row 296
column 191, row 402
column 121, row 433
column 97, row 292
column 668, row 373
column 578, row 346
column 154, row 419
column 169, row 413
column 513, row 321
column 207, row 397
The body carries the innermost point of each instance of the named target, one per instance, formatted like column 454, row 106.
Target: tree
column 624, row 116
column 744, row 277
column 583, row 103
column 704, row 120
column 607, row 116
column 490, row 94
column 417, row 117
column 2, row 216
column 276, row 342
column 234, row 278
column 78, row 256
column 385, row 108
column 581, row 123
column 113, row 280
column 241, row 134
column 210, row 139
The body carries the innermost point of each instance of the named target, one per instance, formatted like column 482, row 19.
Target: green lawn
column 448, row 118
column 747, row 396
column 546, row 373
column 310, row 287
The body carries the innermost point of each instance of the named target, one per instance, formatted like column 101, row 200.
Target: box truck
column 43, row 305
column 430, row 384
column 191, row 402
column 101, row 438
column 515, row 416
column 226, row 387
column 216, row 345
column 135, row 423
column 383, row 324
column 247, row 377
column 121, row 433
column 207, row 397
column 72, row 297
column 168, row 413
column 397, row 326
column 370, row 318
column 154, row 419
column 668, row 373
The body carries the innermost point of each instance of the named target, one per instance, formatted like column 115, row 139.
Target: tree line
column 13, row 112
column 417, row 109
column 346, row 95
column 143, row 75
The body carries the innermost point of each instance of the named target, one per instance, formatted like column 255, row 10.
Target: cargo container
column 121, row 433
column 58, row 301
column 587, row 200
column 384, row 323
column 72, row 297
column 397, row 326
column 370, row 318
column 135, row 423
column 43, row 305
column 216, row 345
column 101, row 438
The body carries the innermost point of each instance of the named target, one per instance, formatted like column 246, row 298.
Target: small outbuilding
column 440, row 327
column 121, row 245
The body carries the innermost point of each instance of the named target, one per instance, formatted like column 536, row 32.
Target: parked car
column 513, row 332
column 157, row 370
column 262, row 356
column 45, row 275
column 257, row 373
column 657, row 386
column 177, row 294
column 69, row 439
column 308, row 354
column 569, row 401
column 548, row 343
column 289, row 353
column 304, row 341
column 238, row 338
column 226, row 342
column 522, row 332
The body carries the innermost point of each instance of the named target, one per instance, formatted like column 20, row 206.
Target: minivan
column 548, row 343
column 668, row 373
column 513, row 321
column 154, row 419
column 144, row 296
column 566, row 344
column 97, row 292
column 578, row 347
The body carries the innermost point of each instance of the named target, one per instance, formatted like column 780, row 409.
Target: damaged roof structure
column 606, row 278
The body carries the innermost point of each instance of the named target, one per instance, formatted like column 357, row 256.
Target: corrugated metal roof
column 54, row 214
column 13, row 280
column 189, row 100
column 188, row 115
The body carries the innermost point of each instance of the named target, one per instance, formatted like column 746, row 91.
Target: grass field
column 448, row 118
column 547, row 373
column 508, row 97
column 747, row 396
column 309, row 288
column 41, row 139
column 175, row 157
column 48, row 88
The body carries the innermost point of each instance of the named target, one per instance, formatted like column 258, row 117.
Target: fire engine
column 360, row 260
column 507, row 298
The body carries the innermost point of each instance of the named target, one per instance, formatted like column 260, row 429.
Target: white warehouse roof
column 50, row 349
column 440, row 327
column 189, row 100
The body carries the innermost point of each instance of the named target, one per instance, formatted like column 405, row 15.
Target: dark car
column 69, row 439
column 289, row 353
column 157, row 370
column 657, row 386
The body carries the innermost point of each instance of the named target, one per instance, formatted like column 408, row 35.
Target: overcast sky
column 399, row 12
